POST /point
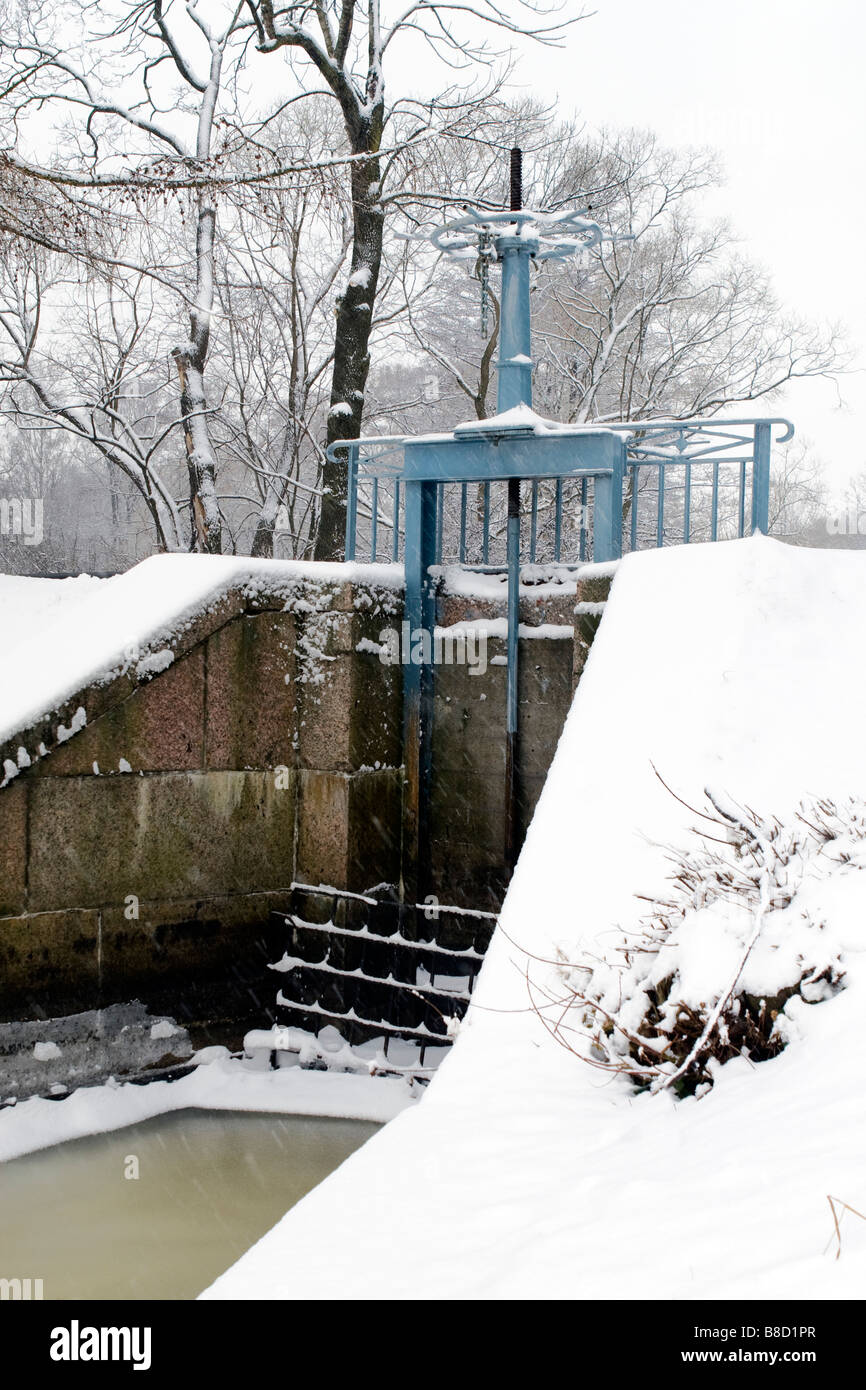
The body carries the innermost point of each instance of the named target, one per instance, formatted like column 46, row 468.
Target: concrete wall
column 269, row 752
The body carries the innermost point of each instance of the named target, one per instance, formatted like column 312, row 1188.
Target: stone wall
column 143, row 856
column 251, row 762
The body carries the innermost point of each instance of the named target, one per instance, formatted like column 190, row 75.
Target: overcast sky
column 777, row 87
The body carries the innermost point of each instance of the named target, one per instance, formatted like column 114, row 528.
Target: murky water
column 208, row 1185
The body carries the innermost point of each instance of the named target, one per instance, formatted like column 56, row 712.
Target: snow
column 164, row 1029
column 219, row 1082
column 86, row 632
column 488, row 628
column 536, row 581
column 525, row 1173
column 523, row 417
column 599, row 569
column 27, row 604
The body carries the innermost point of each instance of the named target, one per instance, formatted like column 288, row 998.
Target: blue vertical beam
column 533, row 529
column 352, row 503
column 514, row 389
column 660, row 516
column 557, row 524
column 635, row 483
column 687, row 506
column 741, row 525
column 420, row 550
column 440, row 522
column 395, row 539
column 515, row 346
column 581, row 546
column 485, row 525
column 714, row 520
column 607, row 507
column 374, row 523
column 761, row 479
column 511, row 711
column 462, row 552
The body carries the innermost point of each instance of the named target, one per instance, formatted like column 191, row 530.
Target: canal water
column 159, row 1209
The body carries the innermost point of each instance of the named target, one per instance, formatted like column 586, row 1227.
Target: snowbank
column 524, row 1173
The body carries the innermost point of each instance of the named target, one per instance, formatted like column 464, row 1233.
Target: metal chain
column 485, row 255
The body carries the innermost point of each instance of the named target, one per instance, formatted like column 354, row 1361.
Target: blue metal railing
column 686, row 481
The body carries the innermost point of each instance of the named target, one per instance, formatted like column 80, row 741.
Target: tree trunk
column 351, row 347
column 206, row 523
column 263, row 540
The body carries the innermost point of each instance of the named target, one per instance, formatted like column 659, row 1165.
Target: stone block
column 323, row 828
column 13, row 847
column 250, row 714
column 184, row 940
column 158, row 728
column 592, row 594
column 49, row 964
column 350, row 714
column 468, row 809
column 593, row 588
column 95, row 841
column 545, row 695
column 349, row 828
column 468, row 879
column 469, row 719
column 375, row 808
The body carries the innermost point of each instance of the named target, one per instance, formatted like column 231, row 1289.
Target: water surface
column 209, row 1184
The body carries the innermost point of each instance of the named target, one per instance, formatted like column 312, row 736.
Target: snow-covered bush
column 755, row 917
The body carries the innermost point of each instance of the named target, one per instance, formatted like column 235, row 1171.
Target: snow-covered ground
column 526, row 1173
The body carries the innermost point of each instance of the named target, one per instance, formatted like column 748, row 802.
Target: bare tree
column 103, row 76
column 283, row 250
column 346, row 44
column 94, row 392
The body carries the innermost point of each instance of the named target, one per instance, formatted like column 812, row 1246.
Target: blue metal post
column 761, row 479
column 511, row 705
column 514, row 389
column 607, row 506
column 515, row 359
column 395, row 539
column 352, row 503
column 420, row 617
column 687, row 505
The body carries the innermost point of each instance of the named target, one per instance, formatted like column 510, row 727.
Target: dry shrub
column 709, row 972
